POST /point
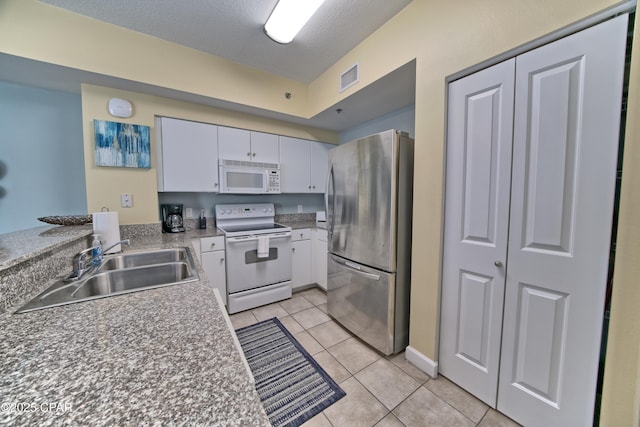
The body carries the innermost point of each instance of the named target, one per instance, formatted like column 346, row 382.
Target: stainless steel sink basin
column 119, row 274
column 137, row 259
column 128, row 280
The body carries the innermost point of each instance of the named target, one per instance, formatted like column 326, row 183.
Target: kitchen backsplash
column 284, row 203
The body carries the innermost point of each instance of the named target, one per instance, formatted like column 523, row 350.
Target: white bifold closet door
column 529, row 200
column 478, row 183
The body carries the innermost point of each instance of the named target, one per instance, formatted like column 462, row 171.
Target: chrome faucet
column 85, row 261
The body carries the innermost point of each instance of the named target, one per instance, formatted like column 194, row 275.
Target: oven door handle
column 252, row 239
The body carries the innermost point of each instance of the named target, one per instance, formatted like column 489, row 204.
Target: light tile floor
column 381, row 391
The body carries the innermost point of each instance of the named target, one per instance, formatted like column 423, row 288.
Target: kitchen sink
column 128, row 280
column 120, row 274
column 137, row 259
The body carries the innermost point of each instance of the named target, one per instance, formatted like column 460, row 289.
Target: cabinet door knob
column 498, row 264
column 221, row 260
column 293, row 249
column 249, row 154
column 212, row 245
column 254, row 154
column 314, row 187
column 215, row 184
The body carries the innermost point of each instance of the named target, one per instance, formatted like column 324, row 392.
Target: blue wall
column 402, row 119
column 41, row 156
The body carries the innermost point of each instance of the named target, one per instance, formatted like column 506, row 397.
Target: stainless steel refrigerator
column 369, row 202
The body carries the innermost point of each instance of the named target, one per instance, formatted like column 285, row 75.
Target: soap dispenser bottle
column 96, row 253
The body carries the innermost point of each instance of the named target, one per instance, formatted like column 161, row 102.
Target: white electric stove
column 258, row 253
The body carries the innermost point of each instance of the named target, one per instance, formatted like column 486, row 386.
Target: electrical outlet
column 126, row 200
column 299, row 208
column 189, row 212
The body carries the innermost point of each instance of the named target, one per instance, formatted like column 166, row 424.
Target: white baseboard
column 421, row 361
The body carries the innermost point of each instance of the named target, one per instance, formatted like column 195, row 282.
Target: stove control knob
column 265, row 209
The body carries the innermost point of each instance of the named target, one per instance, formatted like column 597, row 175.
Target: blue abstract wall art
column 122, row 144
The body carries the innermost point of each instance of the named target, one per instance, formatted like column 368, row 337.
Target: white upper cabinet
column 246, row 145
column 294, row 165
column 187, row 154
column 264, row 147
column 303, row 165
column 319, row 166
column 234, row 144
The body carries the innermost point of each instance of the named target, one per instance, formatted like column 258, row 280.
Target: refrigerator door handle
column 331, row 220
column 357, row 269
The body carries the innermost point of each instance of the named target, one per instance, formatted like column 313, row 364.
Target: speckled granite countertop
column 21, row 245
column 306, row 224
column 155, row 357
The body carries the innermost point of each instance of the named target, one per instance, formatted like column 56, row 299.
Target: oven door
column 246, row 270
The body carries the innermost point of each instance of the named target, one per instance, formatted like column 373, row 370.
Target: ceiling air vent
column 349, row 77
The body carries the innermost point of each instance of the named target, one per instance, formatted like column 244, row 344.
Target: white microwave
column 240, row 177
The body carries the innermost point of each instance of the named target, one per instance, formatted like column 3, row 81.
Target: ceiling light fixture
column 288, row 17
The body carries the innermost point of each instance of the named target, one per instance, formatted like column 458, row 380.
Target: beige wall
column 444, row 37
column 34, row 30
column 105, row 184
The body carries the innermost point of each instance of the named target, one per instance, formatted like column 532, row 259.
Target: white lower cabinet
column 319, row 256
column 301, row 257
column 213, row 263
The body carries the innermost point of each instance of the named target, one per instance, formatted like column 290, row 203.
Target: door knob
column 498, row 264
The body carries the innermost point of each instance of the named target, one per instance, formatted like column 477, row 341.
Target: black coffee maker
column 172, row 218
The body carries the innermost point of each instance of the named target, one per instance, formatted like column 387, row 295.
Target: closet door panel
column 566, row 130
column 480, row 120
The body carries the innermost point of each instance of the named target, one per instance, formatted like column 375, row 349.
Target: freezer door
column 361, row 200
column 362, row 299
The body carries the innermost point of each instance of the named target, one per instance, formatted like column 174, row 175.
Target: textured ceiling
column 233, row 29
